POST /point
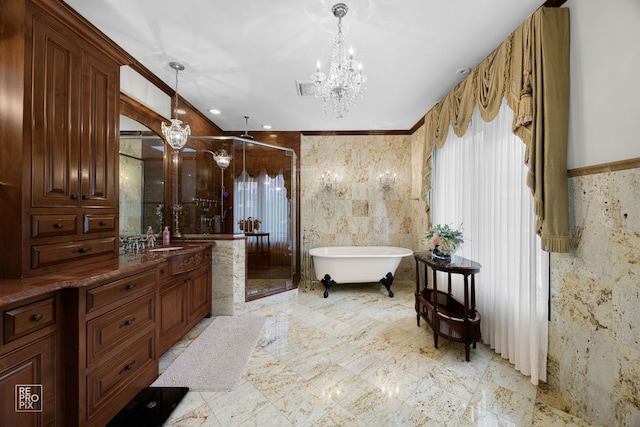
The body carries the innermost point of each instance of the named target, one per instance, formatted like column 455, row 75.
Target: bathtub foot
column 327, row 282
column 387, row 281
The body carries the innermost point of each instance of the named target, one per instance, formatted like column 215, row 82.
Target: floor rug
column 216, row 359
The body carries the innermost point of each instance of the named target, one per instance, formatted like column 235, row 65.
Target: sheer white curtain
column 479, row 181
column 265, row 198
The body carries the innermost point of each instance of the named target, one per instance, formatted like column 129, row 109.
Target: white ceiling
column 243, row 57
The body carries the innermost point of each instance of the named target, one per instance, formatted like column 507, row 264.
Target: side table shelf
column 447, row 316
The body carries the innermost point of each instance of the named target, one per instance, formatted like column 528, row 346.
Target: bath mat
column 216, row 359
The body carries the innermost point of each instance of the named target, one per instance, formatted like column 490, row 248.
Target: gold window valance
column 531, row 70
column 273, row 162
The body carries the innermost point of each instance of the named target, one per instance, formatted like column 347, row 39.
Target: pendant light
column 175, row 134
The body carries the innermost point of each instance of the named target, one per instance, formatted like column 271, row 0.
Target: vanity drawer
column 44, row 255
column 123, row 288
column 53, row 225
column 28, row 318
column 164, row 271
column 105, row 333
column 185, row 262
column 97, row 223
column 114, row 383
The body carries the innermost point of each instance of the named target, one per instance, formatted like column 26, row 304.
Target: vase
column 436, row 255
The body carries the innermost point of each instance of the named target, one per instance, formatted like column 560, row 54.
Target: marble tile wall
column 594, row 333
column 229, row 278
column 356, row 211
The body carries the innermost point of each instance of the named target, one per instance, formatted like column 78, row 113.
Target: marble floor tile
column 370, row 404
column 358, row 358
column 436, row 403
column 503, row 402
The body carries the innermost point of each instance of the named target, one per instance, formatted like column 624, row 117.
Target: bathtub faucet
column 308, row 233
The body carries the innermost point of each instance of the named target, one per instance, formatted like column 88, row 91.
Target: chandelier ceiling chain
column 345, row 83
column 175, row 134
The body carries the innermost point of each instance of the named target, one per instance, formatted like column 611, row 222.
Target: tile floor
column 357, row 358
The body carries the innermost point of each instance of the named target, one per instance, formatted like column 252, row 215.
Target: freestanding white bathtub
column 357, row 264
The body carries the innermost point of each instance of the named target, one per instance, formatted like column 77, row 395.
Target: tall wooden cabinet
column 59, row 172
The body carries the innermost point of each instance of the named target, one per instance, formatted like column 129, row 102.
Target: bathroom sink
column 167, row 248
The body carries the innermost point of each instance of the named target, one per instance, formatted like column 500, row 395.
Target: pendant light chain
column 175, row 109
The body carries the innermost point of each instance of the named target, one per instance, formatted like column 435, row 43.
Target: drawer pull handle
column 37, row 317
column 128, row 322
column 82, row 250
column 103, row 223
column 126, row 368
column 128, row 287
column 85, row 197
column 164, row 270
column 58, row 225
column 75, row 196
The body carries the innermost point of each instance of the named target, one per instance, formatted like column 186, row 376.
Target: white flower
column 443, row 238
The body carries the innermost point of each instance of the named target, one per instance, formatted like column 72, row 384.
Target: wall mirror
column 142, row 189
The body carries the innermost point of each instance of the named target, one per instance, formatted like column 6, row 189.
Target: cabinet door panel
column 33, row 364
column 56, row 119
column 99, row 139
column 199, row 289
column 173, row 316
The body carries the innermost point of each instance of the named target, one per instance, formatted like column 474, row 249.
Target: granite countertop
column 15, row 290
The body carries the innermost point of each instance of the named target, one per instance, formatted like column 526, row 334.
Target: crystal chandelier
column 345, row 82
column 175, row 134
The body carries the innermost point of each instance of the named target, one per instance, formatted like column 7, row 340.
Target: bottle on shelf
column 166, row 236
column 150, row 231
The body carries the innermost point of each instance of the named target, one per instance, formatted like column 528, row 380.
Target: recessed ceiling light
column 214, row 111
column 266, row 126
column 463, row 71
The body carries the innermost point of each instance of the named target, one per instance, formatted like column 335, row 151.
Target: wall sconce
column 222, row 158
column 387, row 180
column 328, row 180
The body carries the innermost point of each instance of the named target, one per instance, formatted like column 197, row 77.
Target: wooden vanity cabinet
column 29, row 363
column 61, row 141
column 114, row 324
column 185, row 295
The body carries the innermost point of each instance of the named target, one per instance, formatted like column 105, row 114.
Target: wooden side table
column 447, row 316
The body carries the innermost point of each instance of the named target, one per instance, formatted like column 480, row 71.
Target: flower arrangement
column 443, row 240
